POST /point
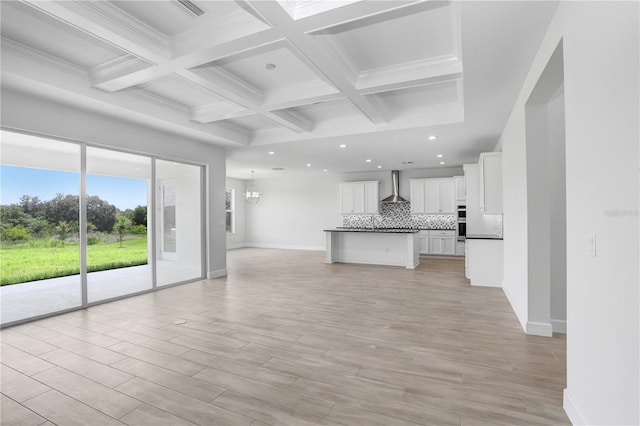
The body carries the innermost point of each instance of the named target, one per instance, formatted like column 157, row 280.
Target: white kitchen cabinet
column 461, row 194
column 432, row 196
column 359, row 197
column 490, row 182
column 416, row 194
column 423, row 242
column 442, row 242
column 484, row 262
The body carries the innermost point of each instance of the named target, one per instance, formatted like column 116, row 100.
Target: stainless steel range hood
column 395, row 189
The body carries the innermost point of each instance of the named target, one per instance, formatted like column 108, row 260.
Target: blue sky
column 124, row 193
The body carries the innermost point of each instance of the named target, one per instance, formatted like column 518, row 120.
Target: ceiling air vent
column 190, row 7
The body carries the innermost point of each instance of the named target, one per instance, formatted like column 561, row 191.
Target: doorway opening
column 546, row 201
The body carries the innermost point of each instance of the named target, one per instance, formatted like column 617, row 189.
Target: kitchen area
column 457, row 217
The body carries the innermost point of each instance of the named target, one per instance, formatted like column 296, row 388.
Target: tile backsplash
column 399, row 216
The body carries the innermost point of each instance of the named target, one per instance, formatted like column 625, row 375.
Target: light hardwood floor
column 287, row 339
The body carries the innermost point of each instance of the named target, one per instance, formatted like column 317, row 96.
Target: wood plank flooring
column 286, row 339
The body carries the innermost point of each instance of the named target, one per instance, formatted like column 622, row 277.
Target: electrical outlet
column 592, row 244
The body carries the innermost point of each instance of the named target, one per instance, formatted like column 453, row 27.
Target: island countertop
column 376, row 230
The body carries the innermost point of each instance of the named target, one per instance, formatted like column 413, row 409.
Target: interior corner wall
column 238, row 238
column 601, row 72
column 28, row 113
column 294, row 210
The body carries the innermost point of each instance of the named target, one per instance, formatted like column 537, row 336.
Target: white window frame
column 232, row 210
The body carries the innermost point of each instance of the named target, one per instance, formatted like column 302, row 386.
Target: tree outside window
column 229, row 207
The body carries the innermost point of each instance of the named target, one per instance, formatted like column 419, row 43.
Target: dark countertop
column 376, row 230
column 483, row 237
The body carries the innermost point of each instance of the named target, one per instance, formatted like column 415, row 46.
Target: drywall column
column 539, row 291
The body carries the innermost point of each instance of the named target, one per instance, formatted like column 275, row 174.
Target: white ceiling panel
column 25, row 25
column 179, row 90
column 409, row 38
column 252, row 68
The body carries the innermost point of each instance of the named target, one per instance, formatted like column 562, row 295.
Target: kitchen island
column 394, row 247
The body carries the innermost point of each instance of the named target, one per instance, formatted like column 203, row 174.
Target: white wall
column 558, row 212
column 293, row 211
column 600, row 41
column 238, row 239
column 20, row 111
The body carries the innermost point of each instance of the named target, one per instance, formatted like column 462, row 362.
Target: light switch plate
column 592, row 244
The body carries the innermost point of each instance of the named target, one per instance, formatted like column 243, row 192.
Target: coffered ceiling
column 293, row 77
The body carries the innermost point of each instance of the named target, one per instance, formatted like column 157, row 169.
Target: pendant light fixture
column 252, row 195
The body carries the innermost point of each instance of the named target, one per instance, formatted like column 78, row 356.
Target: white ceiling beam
column 118, row 81
column 323, row 64
column 29, row 70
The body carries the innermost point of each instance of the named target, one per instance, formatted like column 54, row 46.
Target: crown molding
column 131, row 24
column 409, row 74
column 34, row 55
column 121, row 30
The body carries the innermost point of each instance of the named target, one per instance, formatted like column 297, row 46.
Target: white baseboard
column 539, row 328
column 572, row 410
column 559, row 326
column 217, row 273
column 481, row 283
column 236, row 246
column 286, row 247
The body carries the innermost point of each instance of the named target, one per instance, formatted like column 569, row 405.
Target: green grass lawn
column 37, row 261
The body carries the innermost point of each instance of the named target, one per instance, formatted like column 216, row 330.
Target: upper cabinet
column 490, row 182
column 432, row 196
column 359, row 197
column 461, row 193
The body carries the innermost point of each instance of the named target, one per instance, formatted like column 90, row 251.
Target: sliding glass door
column 39, row 227
column 117, row 224
column 179, row 226
column 81, row 225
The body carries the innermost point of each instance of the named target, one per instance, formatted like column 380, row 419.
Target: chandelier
column 252, row 195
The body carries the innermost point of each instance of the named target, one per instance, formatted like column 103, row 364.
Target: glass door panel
column 179, row 226
column 118, row 241
column 39, row 231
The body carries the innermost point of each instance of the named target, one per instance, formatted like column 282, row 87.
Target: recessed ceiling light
column 269, row 67
column 379, row 166
column 368, row 160
column 343, row 145
column 439, row 156
column 442, row 162
column 308, row 164
column 271, row 152
column 325, row 170
column 432, row 137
